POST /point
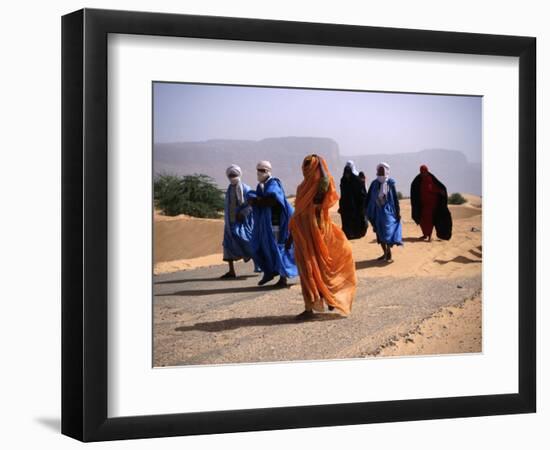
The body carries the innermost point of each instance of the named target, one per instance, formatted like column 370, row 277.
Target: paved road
column 199, row 319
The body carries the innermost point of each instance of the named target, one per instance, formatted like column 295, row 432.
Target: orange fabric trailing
column 323, row 253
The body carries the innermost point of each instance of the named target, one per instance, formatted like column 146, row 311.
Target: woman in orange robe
column 322, row 252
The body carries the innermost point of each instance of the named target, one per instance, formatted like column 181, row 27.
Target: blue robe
column 237, row 235
column 271, row 255
column 384, row 218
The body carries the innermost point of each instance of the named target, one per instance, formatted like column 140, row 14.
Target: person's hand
column 288, row 243
column 318, row 198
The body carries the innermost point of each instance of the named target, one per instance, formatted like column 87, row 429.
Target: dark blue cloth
column 270, row 254
column 237, row 235
column 385, row 219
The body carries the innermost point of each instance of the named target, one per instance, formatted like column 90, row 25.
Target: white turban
column 351, row 165
column 233, row 169
column 386, row 167
column 383, row 179
column 266, row 165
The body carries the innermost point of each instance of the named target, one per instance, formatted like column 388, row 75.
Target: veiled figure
column 323, row 254
column 238, row 223
column 429, row 205
column 352, row 203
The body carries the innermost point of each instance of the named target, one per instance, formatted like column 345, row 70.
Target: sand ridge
column 185, row 243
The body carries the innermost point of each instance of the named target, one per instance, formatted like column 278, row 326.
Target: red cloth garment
column 429, row 196
column 429, row 205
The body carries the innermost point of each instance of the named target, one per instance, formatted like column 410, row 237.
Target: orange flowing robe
column 322, row 252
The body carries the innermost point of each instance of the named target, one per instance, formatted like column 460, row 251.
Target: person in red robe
column 429, row 205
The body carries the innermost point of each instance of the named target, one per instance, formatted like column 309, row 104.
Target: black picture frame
column 84, row 224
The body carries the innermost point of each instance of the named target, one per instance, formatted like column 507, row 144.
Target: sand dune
column 183, row 237
column 184, row 242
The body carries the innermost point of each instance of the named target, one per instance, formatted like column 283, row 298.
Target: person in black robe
column 353, row 195
column 429, row 205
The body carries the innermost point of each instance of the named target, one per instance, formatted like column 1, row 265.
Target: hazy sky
column 360, row 122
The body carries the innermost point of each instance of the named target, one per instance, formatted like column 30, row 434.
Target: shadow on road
column 228, row 290
column 187, row 280
column 233, row 324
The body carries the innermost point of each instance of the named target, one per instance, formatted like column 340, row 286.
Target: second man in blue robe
column 272, row 213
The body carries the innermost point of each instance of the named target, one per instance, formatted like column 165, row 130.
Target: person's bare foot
column 305, row 315
column 422, row 238
column 381, row 258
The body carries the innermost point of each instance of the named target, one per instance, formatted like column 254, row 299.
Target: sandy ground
column 453, row 329
column 200, row 320
column 188, row 259
column 183, row 243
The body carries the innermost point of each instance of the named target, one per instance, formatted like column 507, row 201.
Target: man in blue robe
column 272, row 213
column 383, row 211
column 238, row 226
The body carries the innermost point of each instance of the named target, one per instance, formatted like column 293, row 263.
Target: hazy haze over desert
column 205, row 128
column 360, row 122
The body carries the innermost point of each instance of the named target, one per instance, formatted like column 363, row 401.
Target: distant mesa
column 212, row 157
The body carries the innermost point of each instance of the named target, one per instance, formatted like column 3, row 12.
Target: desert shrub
column 195, row 195
column 399, row 195
column 456, row 199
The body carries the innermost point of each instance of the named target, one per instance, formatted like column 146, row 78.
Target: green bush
column 456, row 199
column 195, row 195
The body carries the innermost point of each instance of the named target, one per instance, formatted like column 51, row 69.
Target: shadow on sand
column 359, row 265
column 188, row 280
column 477, row 254
column 415, row 239
column 458, row 259
column 233, row 324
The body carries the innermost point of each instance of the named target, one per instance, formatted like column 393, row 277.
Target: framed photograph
column 272, row 224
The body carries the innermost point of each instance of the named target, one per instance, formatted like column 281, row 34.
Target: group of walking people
column 379, row 205
column 285, row 241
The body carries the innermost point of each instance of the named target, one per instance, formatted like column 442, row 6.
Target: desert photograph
column 303, row 224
